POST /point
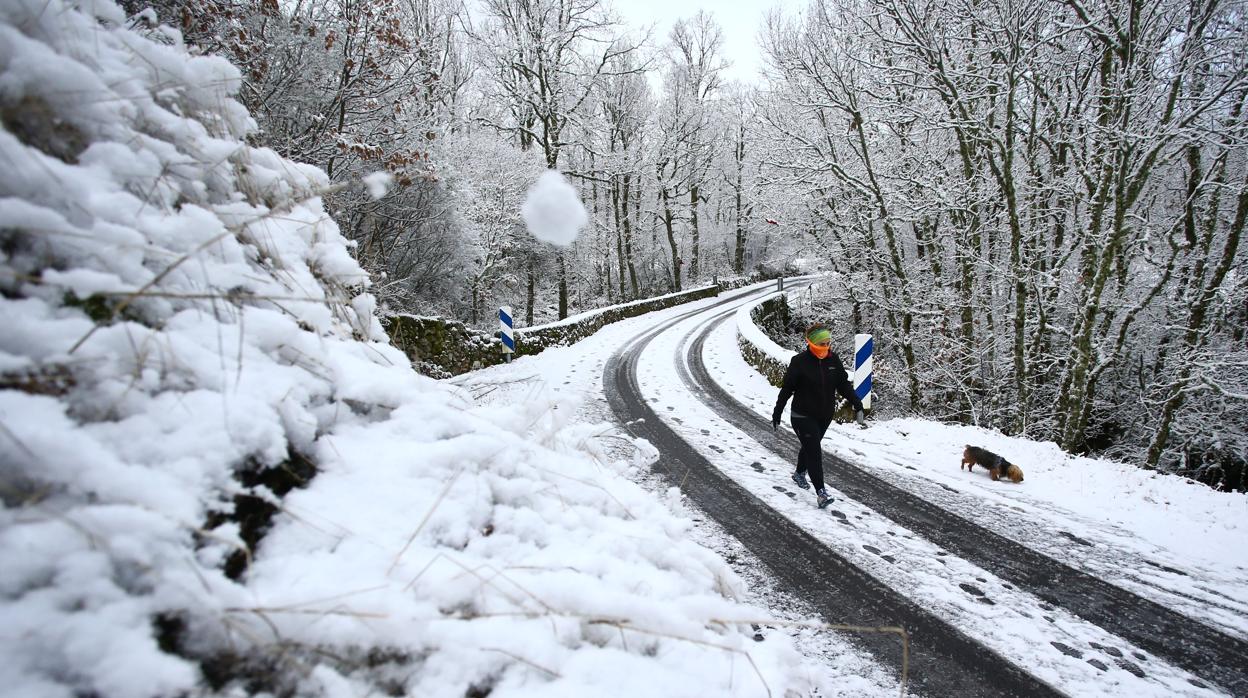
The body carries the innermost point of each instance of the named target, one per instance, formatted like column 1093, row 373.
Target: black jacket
column 813, row 384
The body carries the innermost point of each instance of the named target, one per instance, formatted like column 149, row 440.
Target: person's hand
column 860, row 418
column 775, row 425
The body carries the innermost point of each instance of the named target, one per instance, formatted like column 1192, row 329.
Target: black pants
column 810, row 431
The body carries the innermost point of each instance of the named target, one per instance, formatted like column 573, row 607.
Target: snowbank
column 749, row 334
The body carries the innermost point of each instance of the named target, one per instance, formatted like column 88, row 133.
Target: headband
column 819, row 334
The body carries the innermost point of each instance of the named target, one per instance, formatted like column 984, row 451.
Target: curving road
column 943, row 660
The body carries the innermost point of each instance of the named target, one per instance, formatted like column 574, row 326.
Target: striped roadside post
column 863, row 346
column 505, row 332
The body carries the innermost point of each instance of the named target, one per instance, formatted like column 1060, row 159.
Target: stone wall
column 762, row 362
column 773, row 317
column 443, row 348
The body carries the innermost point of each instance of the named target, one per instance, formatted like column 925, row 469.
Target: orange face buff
column 820, row 342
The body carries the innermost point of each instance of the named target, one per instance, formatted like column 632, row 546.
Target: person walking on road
column 813, row 379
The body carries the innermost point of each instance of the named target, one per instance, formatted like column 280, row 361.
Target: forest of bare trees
column 1040, row 204
column 1035, row 206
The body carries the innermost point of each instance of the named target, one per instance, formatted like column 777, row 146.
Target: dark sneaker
column 823, row 499
column 799, row 478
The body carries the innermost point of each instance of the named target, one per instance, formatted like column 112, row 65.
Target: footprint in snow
column 971, row 589
column 778, row 488
column 1132, row 667
column 1067, row 650
column 840, row 516
column 1111, row 651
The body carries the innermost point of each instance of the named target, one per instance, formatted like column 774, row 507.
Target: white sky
column 741, row 21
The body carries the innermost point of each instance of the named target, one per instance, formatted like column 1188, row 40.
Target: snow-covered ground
column 181, row 317
column 1159, row 536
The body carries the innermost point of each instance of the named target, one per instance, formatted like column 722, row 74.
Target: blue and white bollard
column 505, row 332
column 863, row 346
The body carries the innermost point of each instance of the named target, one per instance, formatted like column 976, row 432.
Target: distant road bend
column 944, row 661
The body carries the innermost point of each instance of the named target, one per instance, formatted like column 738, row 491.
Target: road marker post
column 505, row 332
column 863, row 368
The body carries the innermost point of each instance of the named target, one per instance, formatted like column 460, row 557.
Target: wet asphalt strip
column 943, row 661
column 1191, row 645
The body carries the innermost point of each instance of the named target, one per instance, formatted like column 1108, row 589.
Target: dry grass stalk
column 518, row 658
column 425, row 520
column 235, row 229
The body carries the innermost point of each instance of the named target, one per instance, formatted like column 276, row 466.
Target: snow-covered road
column 1016, row 610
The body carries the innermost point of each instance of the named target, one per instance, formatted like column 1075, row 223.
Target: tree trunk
column 694, row 251
column 620, row 213
column 476, row 300
column 671, row 239
column 628, row 233
column 1005, row 180
column 608, row 284
column 563, row 287
column 738, row 257
column 531, row 295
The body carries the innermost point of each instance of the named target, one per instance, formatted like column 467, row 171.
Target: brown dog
column 996, row 465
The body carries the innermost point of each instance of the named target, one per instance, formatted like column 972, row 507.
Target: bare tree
column 695, row 48
column 547, row 58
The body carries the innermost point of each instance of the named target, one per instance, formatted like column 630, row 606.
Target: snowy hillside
column 218, row 477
